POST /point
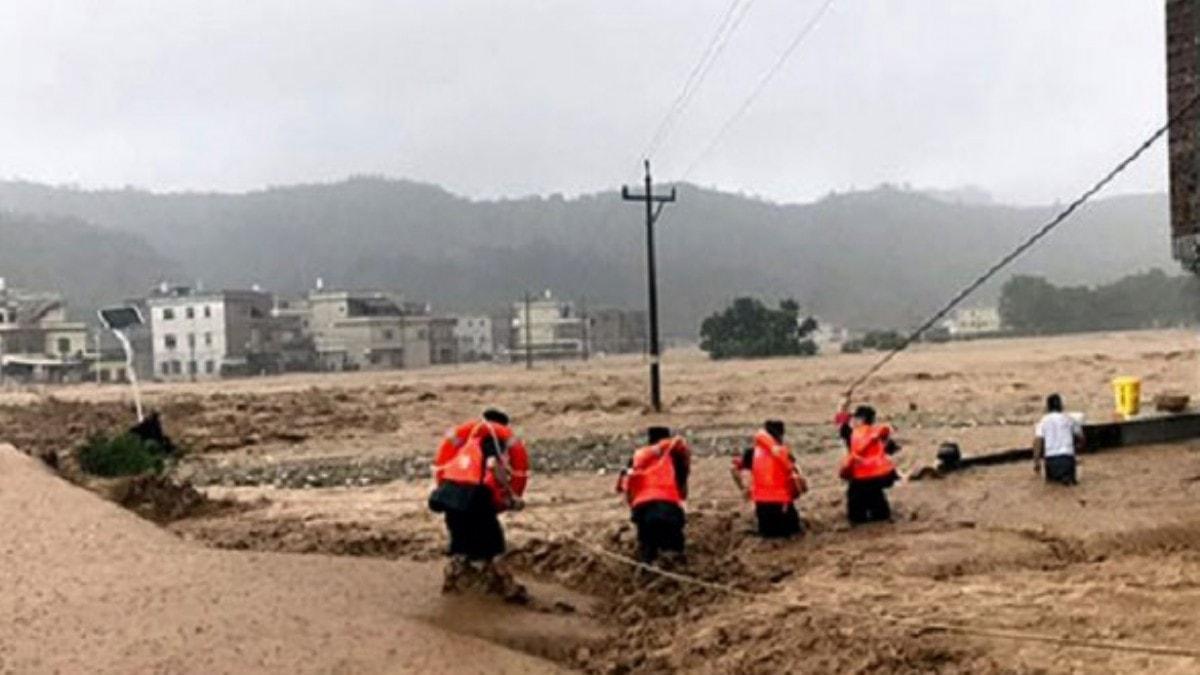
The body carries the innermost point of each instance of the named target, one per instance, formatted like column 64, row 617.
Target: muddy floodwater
column 314, row 550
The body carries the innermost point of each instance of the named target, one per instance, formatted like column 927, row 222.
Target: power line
column 774, row 70
column 1024, row 246
column 728, row 25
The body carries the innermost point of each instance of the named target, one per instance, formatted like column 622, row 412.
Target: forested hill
column 872, row 258
column 91, row 265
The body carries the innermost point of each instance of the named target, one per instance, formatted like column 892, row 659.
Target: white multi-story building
column 975, row 321
column 549, row 328
column 474, row 335
column 203, row 335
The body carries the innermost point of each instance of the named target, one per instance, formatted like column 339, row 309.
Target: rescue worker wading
column 655, row 485
column 480, row 471
column 775, row 482
column 867, row 467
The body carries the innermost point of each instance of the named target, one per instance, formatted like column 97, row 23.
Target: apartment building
column 367, row 330
column 199, row 335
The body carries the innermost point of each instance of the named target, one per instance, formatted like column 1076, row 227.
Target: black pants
column 475, row 531
column 659, row 528
column 1060, row 469
column 777, row 520
column 866, row 501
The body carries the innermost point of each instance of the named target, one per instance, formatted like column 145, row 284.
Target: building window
column 207, row 312
column 192, row 340
column 192, row 370
column 422, row 334
column 168, row 314
column 177, row 367
column 209, row 367
column 169, row 341
column 166, row 367
column 191, row 312
column 208, row 339
column 64, row 345
column 389, row 335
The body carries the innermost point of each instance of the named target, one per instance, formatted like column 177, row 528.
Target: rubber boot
column 503, row 584
column 453, row 574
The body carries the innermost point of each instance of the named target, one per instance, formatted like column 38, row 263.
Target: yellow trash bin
column 1128, row 393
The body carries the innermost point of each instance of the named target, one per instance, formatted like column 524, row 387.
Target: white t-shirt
column 1058, row 431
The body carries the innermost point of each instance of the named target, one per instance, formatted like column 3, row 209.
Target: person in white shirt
column 1057, row 437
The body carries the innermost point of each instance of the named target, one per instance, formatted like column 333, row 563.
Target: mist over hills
column 91, row 265
column 873, row 258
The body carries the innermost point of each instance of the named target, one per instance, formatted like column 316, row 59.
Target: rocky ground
column 338, row 465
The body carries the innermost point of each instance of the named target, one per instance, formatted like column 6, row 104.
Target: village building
column 200, row 335
column 37, row 342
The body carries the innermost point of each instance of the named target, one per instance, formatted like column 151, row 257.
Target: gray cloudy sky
column 1030, row 99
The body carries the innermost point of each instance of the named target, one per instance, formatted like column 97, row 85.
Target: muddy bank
column 118, row 594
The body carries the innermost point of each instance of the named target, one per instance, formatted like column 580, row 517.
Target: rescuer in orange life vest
column 867, row 466
column 480, row 471
column 775, row 482
column 655, row 485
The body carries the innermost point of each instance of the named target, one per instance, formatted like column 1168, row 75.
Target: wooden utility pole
column 652, row 212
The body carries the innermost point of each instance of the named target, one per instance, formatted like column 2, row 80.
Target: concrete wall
column 66, row 340
column 1183, row 84
column 617, row 331
column 375, row 343
column 474, row 335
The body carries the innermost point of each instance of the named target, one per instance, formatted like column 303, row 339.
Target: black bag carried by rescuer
column 451, row 497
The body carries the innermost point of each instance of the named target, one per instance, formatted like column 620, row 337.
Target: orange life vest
column 771, row 472
column 867, row 457
column 652, row 477
column 466, row 466
column 460, row 459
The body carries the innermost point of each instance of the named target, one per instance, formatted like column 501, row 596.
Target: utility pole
column 652, row 213
column 528, row 335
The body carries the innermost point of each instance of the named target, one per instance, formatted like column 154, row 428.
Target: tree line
column 1153, row 299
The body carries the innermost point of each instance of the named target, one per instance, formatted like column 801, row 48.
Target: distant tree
column 749, row 329
column 1029, row 304
column 1033, row 305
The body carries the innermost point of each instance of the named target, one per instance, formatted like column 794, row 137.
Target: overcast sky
column 1029, row 99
